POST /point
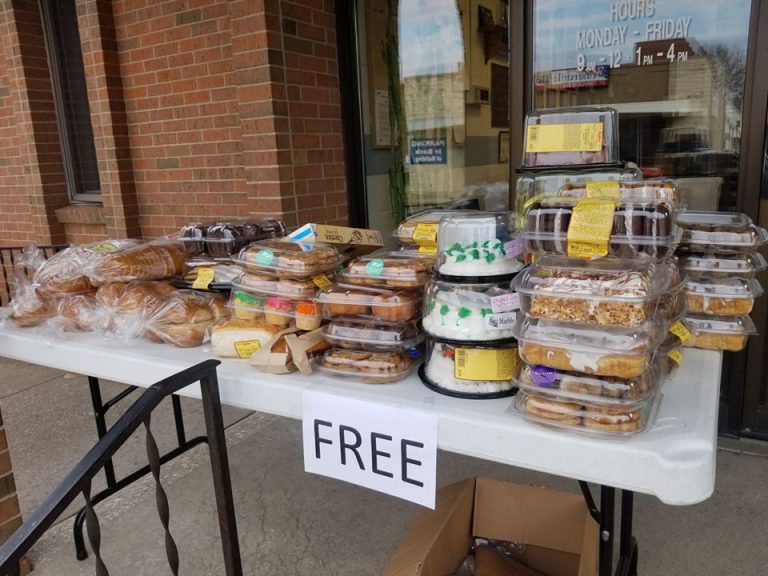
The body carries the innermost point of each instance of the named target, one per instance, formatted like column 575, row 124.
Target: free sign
column 388, row 449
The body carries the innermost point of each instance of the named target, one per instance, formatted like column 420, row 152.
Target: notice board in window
column 499, row 96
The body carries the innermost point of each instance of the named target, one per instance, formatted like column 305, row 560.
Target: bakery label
column 425, row 236
column 205, row 277
column 604, row 189
column 375, row 267
column 265, row 257
column 590, row 229
column 676, row 356
column 679, row 330
column 513, row 248
column 543, row 376
column 505, row 302
column 246, row 348
column 322, row 281
column 503, row 321
column 483, row 364
column 388, row 448
column 580, row 137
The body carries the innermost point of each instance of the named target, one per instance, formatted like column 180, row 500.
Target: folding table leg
column 628, row 543
column 100, row 409
column 607, row 501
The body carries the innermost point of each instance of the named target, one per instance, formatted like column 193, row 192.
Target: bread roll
column 182, row 320
column 154, row 261
column 84, row 311
column 108, row 295
column 63, row 273
column 29, row 309
column 225, row 337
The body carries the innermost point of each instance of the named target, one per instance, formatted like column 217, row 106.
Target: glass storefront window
column 674, row 69
column 434, row 77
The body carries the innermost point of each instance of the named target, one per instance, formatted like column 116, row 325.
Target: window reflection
column 674, row 70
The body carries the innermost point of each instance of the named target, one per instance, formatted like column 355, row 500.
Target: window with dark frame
column 73, row 114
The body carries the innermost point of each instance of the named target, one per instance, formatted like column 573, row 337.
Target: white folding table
column 674, row 460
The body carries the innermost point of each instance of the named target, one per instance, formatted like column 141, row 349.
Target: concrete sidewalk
column 292, row 523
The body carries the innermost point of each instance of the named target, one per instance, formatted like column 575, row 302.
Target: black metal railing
column 80, row 479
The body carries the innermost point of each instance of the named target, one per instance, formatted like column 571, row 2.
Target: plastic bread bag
column 151, row 261
column 66, row 272
column 183, row 320
column 127, row 305
column 28, row 308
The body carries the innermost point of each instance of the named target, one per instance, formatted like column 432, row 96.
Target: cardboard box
column 560, row 537
column 351, row 242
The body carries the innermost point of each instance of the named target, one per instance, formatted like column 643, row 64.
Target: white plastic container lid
column 731, row 288
column 373, row 335
column 720, row 231
column 286, row 258
column 741, row 325
column 746, row 265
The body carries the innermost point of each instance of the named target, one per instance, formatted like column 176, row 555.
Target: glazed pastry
column 369, row 367
column 288, row 259
column 599, row 363
column 389, row 271
column 613, row 418
column 722, row 297
column 575, row 386
column 718, row 332
column 563, row 412
column 398, row 307
column 345, row 301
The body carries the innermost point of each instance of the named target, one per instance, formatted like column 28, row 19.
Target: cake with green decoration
column 467, row 312
column 478, row 244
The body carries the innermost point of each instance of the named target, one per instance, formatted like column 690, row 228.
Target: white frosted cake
column 466, row 313
column 441, row 371
column 478, row 244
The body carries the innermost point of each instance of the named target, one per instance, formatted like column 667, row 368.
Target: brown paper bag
column 301, row 345
column 274, row 362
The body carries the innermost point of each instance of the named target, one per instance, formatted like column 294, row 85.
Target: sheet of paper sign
column 385, row 448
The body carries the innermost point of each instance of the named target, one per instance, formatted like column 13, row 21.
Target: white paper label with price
column 384, row 448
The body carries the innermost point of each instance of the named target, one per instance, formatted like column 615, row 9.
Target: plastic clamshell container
column 718, row 333
column 223, row 238
column 534, row 185
column 287, row 259
column 389, row 270
column 723, row 265
column 603, row 292
column 720, row 233
column 587, row 418
column 478, row 245
column 275, row 310
column 473, row 369
column 722, row 296
column 472, row 312
column 639, row 229
column 570, row 136
column 575, row 387
column 605, row 351
column 294, row 288
column 363, row 304
column 405, row 231
column 641, row 191
column 369, row 367
column 373, row 336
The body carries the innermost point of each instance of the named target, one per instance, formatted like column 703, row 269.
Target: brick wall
column 201, row 109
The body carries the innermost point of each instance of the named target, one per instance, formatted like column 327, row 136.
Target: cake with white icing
column 478, row 244
column 440, row 370
column 469, row 312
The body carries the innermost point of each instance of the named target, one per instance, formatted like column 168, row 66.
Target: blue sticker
column 375, row 267
column 265, row 257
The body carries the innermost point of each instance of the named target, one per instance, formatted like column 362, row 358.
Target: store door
column 682, row 76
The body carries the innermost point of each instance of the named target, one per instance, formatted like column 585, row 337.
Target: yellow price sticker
column 590, row 229
column 604, row 189
column 246, row 348
column 205, row 277
column 322, row 281
column 103, row 248
column 676, row 356
column 679, row 330
column 581, row 137
column 481, row 364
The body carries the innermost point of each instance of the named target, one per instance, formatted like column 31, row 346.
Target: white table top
column 673, row 460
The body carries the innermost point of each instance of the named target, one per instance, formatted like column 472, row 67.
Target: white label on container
column 503, row 321
column 385, row 448
column 514, row 248
column 505, row 302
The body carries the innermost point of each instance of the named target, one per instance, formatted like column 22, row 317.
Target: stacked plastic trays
column 211, row 247
column 719, row 252
column 470, row 307
column 604, row 291
column 373, row 317
column 569, row 147
column 278, row 287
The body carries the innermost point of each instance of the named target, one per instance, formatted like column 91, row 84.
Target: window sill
column 80, row 214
